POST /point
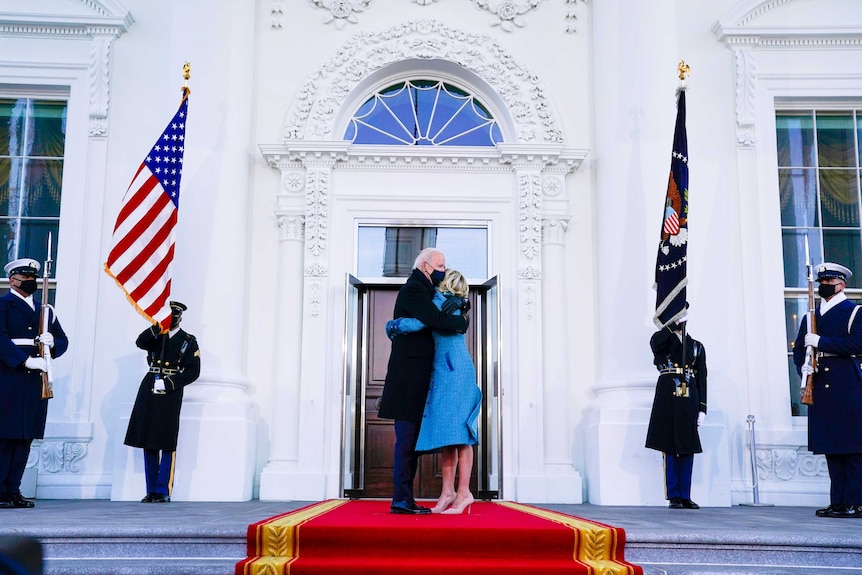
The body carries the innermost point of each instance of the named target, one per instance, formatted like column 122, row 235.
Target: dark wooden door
column 379, row 433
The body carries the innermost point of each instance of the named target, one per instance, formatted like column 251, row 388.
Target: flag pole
column 187, row 72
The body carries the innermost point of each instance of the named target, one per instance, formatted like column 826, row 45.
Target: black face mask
column 175, row 321
column 437, row 277
column 29, row 287
column 826, row 290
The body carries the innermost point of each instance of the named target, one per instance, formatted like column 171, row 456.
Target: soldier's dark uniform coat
column 22, row 410
column 673, row 421
column 835, row 419
column 155, row 419
column 412, row 357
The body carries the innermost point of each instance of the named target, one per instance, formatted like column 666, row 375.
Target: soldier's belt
column 163, row 370
column 827, row 354
column 22, row 341
column 675, row 371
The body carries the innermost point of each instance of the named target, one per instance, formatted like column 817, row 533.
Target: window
column 819, row 161
column 32, row 143
column 423, row 113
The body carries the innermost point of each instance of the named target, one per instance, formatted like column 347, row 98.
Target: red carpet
column 499, row 538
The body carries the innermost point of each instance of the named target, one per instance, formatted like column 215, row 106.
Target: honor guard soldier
column 23, row 411
column 174, row 362
column 834, row 417
column 678, row 409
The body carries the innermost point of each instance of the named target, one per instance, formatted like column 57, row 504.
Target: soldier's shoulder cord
column 185, row 348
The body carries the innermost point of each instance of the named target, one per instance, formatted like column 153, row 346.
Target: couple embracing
column 430, row 388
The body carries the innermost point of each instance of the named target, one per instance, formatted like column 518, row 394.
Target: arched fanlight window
column 423, row 113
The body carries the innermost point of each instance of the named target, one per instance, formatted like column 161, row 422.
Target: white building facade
column 278, row 204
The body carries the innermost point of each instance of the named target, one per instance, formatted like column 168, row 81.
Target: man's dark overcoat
column 673, row 421
column 22, row 410
column 835, row 419
column 412, row 357
column 155, row 419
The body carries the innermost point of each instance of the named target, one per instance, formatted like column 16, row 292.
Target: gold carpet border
column 277, row 542
column 599, row 542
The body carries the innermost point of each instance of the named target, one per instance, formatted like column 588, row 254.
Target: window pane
column 795, row 138
column 12, row 113
column 11, row 174
column 836, row 144
column 839, row 198
column 795, row 274
column 43, row 184
column 794, row 310
column 843, row 247
column 48, row 128
column 798, row 189
column 796, row 405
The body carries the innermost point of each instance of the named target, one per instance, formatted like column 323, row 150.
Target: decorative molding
column 276, row 14
column 315, row 270
column 291, row 227
column 530, row 273
column 554, row 231
column 316, row 211
column 746, row 87
column 108, row 18
column 314, row 289
column 572, row 15
column 530, row 215
column 341, row 11
column 508, row 12
column 552, row 186
column 789, row 463
column 313, row 113
column 424, row 2
column 528, row 301
column 293, row 182
column 100, row 83
column 57, row 456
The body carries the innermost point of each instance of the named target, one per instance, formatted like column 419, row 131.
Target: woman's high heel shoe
column 443, row 504
column 466, row 504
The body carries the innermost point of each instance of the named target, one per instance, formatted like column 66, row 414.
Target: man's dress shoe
column 160, row 498
column 675, row 503
column 845, row 511
column 408, row 508
column 148, row 498
column 5, row 502
column 19, row 502
column 689, row 504
column 824, row 512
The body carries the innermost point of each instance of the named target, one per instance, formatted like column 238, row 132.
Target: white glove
column 812, row 339
column 46, row 339
column 36, row 363
column 806, row 370
column 700, row 417
column 159, row 386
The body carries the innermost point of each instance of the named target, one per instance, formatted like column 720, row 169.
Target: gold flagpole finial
column 187, row 72
column 682, row 70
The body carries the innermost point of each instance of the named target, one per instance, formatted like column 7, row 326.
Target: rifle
column 810, row 354
column 44, row 327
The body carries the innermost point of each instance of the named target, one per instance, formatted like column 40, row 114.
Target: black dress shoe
column 689, row 504
column 675, row 503
column 408, row 508
column 824, row 512
column 160, row 498
column 5, row 502
column 148, row 498
column 19, row 502
column 845, row 511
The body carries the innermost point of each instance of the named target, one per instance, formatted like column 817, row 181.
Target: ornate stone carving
column 571, row 16
column 424, row 2
column 315, row 270
column 293, row 182
column 314, row 289
column 291, row 227
column 552, row 186
column 276, row 14
column 810, row 465
column 746, row 94
column 316, row 210
column 341, row 11
column 530, row 214
column 554, row 231
column 789, row 463
column 528, row 301
column 313, row 112
column 57, row 456
column 530, row 273
column 508, row 12
column 100, row 83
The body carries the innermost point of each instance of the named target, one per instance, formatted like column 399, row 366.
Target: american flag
column 142, row 247
column 671, row 266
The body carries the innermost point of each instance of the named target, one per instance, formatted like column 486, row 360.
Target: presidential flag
column 142, row 247
column 671, row 261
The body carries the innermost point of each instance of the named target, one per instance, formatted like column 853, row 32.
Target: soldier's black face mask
column 29, row 287
column 175, row 320
column 826, row 290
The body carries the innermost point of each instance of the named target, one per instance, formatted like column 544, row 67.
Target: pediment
column 790, row 20
column 63, row 17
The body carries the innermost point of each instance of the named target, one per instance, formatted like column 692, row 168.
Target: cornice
column 108, row 18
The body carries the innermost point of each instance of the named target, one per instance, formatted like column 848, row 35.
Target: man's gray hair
column 425, row 256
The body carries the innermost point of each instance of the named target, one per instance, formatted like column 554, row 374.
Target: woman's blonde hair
column 454, row 282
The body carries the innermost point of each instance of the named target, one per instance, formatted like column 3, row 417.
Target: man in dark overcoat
column 678, row 409
column 835, row 418
column 409, row 373
column 174, row 362
column 22, row 410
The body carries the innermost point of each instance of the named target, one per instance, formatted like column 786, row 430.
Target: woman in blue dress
column 451, row 419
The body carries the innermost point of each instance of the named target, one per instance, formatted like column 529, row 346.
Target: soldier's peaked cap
column 829, row 270
column 26, row 266
column 177, row 307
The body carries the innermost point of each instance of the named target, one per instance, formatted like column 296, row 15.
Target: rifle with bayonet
column 810, row 353
column 45, row 327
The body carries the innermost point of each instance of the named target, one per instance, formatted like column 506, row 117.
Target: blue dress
column 451, row 414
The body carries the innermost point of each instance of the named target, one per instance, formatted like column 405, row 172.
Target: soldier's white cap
column 26, row 266
column 829, row 270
